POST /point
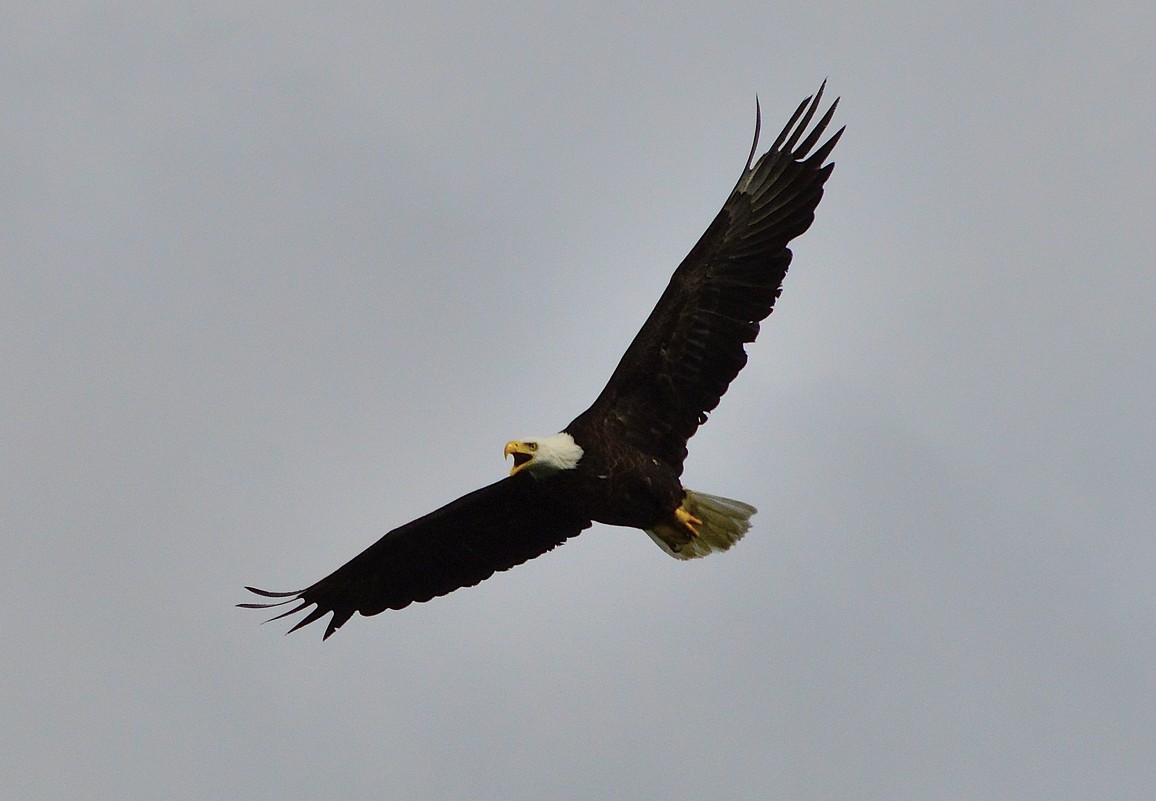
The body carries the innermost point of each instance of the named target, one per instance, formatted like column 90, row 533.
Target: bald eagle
column 618, row 462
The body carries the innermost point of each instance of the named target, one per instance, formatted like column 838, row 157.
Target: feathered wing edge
column 459, row 545
column 290, row 597
column 770, row 193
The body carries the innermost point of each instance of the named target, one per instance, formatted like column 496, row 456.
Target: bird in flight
column 620, row 461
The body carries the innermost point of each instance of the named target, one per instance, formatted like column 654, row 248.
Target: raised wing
column 691, row 347
column 459, row 545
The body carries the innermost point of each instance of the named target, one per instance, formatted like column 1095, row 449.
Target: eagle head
column 543, row 455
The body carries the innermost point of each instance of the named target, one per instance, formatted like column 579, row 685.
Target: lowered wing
column 459, row 545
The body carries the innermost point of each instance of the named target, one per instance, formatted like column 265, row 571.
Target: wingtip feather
column 267, row 594
column 758, row 128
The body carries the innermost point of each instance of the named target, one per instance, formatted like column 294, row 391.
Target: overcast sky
column 275, row 278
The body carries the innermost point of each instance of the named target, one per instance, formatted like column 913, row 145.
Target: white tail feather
column 724, row 522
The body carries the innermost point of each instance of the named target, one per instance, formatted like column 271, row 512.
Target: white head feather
column 547, row 454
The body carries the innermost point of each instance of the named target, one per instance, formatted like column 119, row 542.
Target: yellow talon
column 687, row 521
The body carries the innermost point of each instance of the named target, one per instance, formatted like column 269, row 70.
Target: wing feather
column 459, row 545
column 692, row 345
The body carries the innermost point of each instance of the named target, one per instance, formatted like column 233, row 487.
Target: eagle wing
column 465, row 542
column 691, row 347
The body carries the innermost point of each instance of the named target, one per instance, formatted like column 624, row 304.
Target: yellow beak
column 521, row 452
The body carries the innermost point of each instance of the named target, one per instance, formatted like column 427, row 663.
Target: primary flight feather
column 618, row 462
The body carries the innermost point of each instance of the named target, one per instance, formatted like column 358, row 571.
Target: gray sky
column 278, row 279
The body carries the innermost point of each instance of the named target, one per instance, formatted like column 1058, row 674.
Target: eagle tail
column 718, row 524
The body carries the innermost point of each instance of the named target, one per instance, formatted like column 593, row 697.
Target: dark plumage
column 619, row 462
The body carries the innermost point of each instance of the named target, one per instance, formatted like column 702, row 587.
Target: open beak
column 522, row 455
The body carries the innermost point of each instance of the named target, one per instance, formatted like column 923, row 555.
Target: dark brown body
column 624, row 486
